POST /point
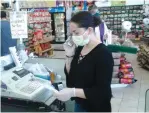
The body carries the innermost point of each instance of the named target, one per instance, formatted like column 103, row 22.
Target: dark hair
column 85, row 19
column 3, row 14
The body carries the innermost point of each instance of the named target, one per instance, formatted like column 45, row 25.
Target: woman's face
column 75, row 30
column 80, row 36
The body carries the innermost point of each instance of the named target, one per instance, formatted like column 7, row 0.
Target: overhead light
column 146, row 22
column 126, row 26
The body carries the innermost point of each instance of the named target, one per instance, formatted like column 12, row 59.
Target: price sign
column 118, row 2
column 18, row 24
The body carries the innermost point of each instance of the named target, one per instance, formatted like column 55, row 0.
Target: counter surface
column 56, row 64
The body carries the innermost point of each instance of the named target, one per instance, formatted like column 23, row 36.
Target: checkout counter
column 48, row 103
column 22, row 92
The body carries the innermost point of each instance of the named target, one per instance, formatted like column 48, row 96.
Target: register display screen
column 21, row 73
column 14, row 78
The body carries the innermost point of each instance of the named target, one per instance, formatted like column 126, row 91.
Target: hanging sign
column 118, row 2
column 50, row 3
column 79, row 5
column 18, row 24
column 56, row 9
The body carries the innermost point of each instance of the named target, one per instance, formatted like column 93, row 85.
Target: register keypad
column 31, row 87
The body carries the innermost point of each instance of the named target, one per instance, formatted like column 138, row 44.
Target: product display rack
column 143, row 56
column 114, row 15
column 122, row 70
column 123, row 73
column 146, row 30
column 39, row 33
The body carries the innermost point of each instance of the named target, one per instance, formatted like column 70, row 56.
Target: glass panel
column 147, row 101
column 59, row 27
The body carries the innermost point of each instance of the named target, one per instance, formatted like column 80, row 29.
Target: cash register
column 22, row 91
column 21, row 88
column 22, row 84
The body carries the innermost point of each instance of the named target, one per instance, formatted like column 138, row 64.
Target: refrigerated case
column 58, row 15
column 39, row 32
column 58, row 23
column 59, row 26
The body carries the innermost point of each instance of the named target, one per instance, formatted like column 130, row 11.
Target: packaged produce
column 129, row 75
column 123, row 81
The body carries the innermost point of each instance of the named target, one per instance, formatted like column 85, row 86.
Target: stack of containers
column 122, row 70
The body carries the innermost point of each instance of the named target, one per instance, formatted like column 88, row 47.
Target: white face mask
column 79, row 40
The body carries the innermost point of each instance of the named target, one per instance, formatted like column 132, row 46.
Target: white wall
column 128, row 2
column 134, row 2
column 3, row 1
column 146, row 1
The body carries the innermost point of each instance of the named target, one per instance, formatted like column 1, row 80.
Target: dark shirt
column 93, row 74
column 6, row 40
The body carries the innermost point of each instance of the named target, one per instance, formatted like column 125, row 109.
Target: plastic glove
column 69, row 47
column 50, row 87
column 65, row 94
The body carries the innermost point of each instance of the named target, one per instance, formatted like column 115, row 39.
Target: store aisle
column 132, row 98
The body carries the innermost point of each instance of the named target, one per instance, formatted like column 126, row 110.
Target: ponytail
column 85, row 19
column 96, row 21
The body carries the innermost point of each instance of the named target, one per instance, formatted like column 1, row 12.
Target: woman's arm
column 79, row 93
column 69, row 48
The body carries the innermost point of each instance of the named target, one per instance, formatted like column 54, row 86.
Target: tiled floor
column 132, row 98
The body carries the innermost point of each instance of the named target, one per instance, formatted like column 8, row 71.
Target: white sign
column 18, row 24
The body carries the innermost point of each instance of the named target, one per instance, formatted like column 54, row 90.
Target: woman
column 102, row 29
column 93, row 9
column 89, row 67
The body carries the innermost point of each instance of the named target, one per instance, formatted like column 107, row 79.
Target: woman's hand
column 65, row 94
column 69, row 47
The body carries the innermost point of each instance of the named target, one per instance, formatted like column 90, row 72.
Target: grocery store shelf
column 40, row 22
column 145, row 39
column 47, row 50
column 46, row 40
